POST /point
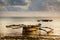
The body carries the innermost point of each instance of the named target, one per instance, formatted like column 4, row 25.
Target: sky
column 30, row 5
column 13, row 2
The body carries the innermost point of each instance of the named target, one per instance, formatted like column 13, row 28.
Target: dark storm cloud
column 34, row 5
column 43, row 5
column 1, row 3
column 38, row 5
column 13, row 2
column 17, row 2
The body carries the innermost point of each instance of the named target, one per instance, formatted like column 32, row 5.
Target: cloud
column 44, row 5
column 13, row 2
column 38, row 5
column 34, row 5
